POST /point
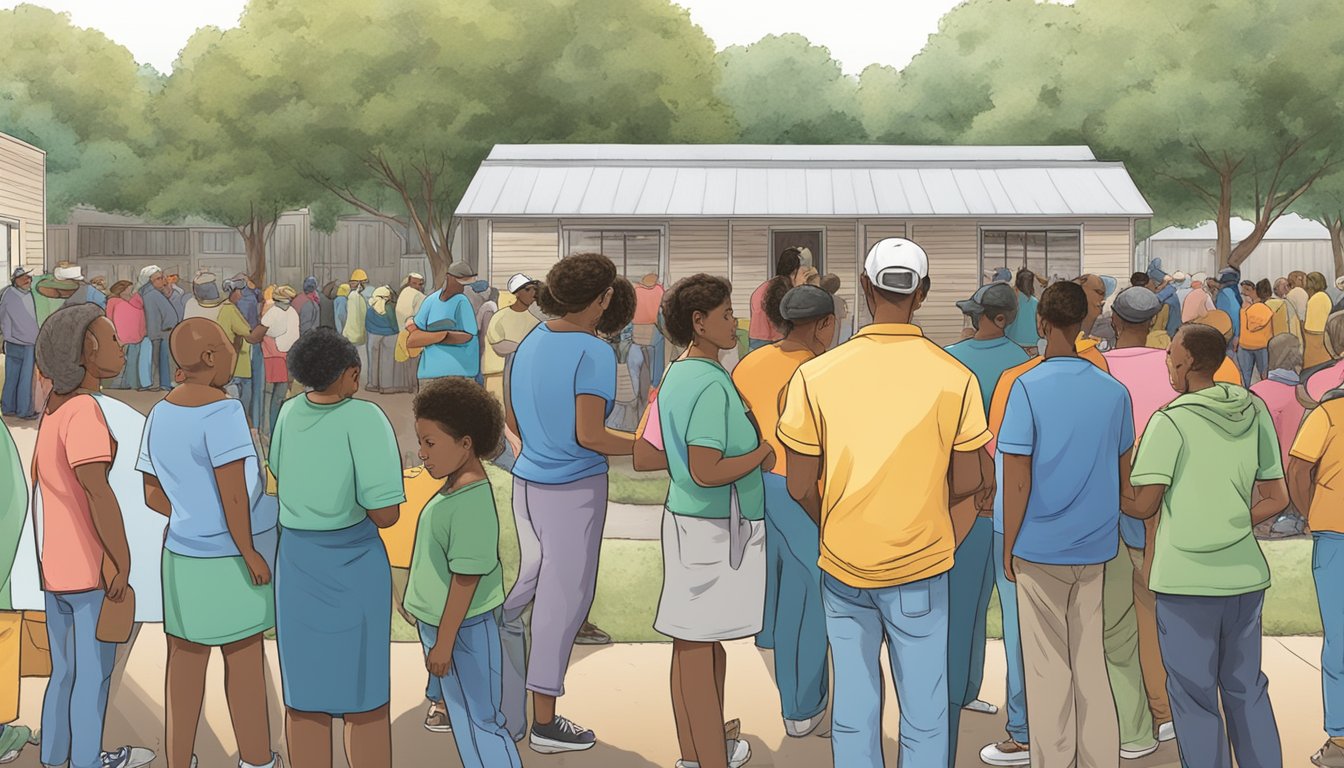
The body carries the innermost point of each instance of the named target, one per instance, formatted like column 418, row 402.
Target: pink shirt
column 75, row 435
column 647, row 302
column 1144, row 373
column 129, row 318
column 1325, row 380
column 653, row 427
column 761, row 328
column 1197, row 304
column 1284, row 411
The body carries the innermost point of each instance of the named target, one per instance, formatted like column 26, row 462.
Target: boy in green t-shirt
column 456, row 580
column 1208, row 572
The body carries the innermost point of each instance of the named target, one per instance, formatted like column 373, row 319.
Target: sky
column 858, row 32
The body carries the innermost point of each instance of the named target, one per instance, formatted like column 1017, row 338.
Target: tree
column 783, row 89
column 82, row 98
column 1325, row 203
column 390, row 107
column 209, row 161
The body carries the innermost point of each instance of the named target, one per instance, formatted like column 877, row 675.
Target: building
column 729, row 210
column 1292, row 243
column 117, row 247
column 23, row 206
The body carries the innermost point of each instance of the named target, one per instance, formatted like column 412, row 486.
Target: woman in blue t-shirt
column 1023, row 328
column 561, row 390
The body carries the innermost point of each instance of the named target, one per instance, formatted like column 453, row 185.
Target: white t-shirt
column 282, row 324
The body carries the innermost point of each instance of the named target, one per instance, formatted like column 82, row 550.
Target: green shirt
column 13, row 511
column 333, row 462
column 458, row 533
column 235, row 327
column 699, row 406
column 1209, row 448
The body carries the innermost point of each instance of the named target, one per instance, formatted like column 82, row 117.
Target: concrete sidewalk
column 621, row 692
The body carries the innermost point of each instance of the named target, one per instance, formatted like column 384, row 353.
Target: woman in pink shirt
column 761, row 331
column 126, row 310
column 1279, row 390
column 1197, row 304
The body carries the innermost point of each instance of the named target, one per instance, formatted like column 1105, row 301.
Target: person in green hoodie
column 13, row 516
column 1201, row 459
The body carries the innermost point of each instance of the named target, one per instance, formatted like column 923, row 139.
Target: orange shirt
column 647, row 302
column 762, row 377
column 1228, row 373
column 1087, row 349
column 75, row 435
column 1257, row 321
column 399, row 539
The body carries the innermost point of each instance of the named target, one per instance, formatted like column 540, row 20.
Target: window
column 8, row 254
column 1048, row 253
column 635, row 253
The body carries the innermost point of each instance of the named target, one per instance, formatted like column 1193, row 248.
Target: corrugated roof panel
column 599, row 199
column 492, row 183
column 842, row 189
column 972, row 190
column 657, row 194
column 629, row 189
column 944, row 194
column 517, row 189
column 784, row 153
column 1083, row 189
column 546, row 190
column 820, row 197
column 917, row 198
column 998, row 196
column 720, row 192
column 1123, row 190
column 1032, row 192
column 572, row 190
column 688, row 193
column 752, row 199
column 786, row 192
column 865, row 192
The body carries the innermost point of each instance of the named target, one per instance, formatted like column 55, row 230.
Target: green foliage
column 82, row 98
column 785, row 90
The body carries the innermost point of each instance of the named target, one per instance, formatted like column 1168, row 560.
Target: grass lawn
column 646, row 488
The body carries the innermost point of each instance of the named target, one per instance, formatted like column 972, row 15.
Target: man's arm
column 647, row 458
column 1016, row 491
column 1301, row 485
column 1273, row 500
column 107, row 523
column 155, row 497
column 804, row 475
column 416, row 338
column 257, row 334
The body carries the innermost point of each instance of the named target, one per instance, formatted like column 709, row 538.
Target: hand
column 256, row 565
column 1008, row 572
column 440, row 659
column 767, row 457
column 116, row 588
column 514, row 442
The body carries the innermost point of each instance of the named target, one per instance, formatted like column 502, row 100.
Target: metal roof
column 797, row 181
column 1288, row 227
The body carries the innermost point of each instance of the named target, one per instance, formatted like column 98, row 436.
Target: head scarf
column 344, row 290
column 380, row 298
column 309, row 284
column 146, row 275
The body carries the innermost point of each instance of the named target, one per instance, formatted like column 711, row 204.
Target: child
column 456, row 580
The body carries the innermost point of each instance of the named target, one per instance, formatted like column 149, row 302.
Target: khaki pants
column 11, row 629
column 1121, row 640
column 1150, row 655
column 1070, row 712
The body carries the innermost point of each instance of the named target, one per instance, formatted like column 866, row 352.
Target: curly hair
column 576, row 282
column 320, row 357
column 1205, row 344
column 60, row 345
column 697, row 293
column 464, row 409
column 1063, row 305
column 774, row 296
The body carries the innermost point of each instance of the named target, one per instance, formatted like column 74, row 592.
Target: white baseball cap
column 518, row 282
column 896, row 265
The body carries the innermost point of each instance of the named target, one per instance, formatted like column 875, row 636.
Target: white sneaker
column 1135, row 754
column 799, row 728
column 739, row 753
column 982, row 707
column 1166, row 732
column 1006, row 753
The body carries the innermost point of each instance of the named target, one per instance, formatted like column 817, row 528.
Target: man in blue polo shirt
column 445, row 327
column 1067, row 431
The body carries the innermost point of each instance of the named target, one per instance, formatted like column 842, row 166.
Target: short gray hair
column 60, row 345
column 1285, row 352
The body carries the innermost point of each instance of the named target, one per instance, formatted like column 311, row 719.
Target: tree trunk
column 1224, row 221
column 1336, row 226
column 255, row 233
column 437, row 254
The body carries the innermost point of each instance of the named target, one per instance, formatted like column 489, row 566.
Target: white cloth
column 144, row 526
column 282, row 324
column 408, row 303
column 705, row 599
column 193, row 308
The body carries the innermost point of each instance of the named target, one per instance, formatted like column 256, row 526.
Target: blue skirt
column 333, row 609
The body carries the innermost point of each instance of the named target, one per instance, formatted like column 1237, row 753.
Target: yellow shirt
column 1318, row 311
column 1318, row 442
column 506, row 325
column 762, row 377
column 399, row 539
column 1228, row 373
column 885, row 410
column 235, row 328
column 1285, row 319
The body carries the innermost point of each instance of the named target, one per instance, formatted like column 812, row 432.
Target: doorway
column 810, row 241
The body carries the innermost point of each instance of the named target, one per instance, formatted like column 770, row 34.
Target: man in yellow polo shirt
column 895, row 427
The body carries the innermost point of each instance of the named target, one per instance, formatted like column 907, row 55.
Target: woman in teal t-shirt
column 1023, row 328
column 713, row 530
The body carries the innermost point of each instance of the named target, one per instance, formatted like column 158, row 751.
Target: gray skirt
column 705, row 598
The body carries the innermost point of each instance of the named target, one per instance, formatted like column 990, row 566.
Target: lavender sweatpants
column 559, row 541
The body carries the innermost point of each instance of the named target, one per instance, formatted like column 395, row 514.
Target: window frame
column 567, row 231
column 1046, row 230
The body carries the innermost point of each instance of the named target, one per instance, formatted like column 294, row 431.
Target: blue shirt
column 1023, row 328
column 551, row 369
column 183, row 447
column 1074, row 421
column 1168, row 296
column 988, row 360
column 440, row 360
column 340, row 303
column 249, row 304
column 1229, row 301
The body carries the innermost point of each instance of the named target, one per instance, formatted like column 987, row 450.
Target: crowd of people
column 1101, row 457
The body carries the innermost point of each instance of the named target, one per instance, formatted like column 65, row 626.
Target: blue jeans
column 163, row 360
column 81, row 674
column 256, row 406
column 970, row 583
column 17, row 398
column 912, row 618
column 1251, row 360
column 129, row 378
column 275, row 400
column 244, row 389
column 472, row 692
column 1327, row 566
column 801, row 669
column 1012, row 649
column 1211, row 647
column 656, row 363
column 144, row 357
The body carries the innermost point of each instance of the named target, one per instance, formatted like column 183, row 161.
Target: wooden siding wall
column 694, row 246
column 750, row 263
column 530, row 247
column 954, row 266
column 1108, row 248
column 23, row 199
column 873, row 231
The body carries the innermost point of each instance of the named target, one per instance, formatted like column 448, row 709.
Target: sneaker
column 436, row 721
column 560, row 735
column 1329, row 756
column 799, row 728
column 276, row 762
column 981, row 707
column 127, row 757
column 590, row 634
column 739, row 754
column 1007, row 752
column 13, row 738
column 1135, row 754
column 732, row 729
column 1166, row 732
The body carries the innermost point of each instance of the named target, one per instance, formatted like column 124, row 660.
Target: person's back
column 1279, row 393
column 1197, row 304
column 762, row 377
column 988, row 360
